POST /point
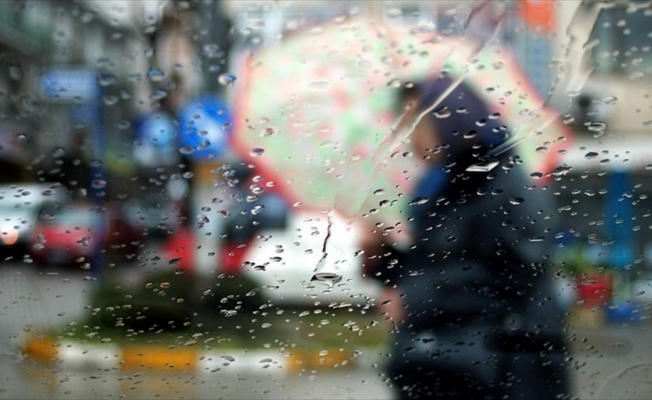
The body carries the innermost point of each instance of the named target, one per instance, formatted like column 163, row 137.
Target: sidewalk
column 74, row 355
column 587, row 330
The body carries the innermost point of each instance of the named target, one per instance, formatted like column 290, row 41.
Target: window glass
column 325, row 199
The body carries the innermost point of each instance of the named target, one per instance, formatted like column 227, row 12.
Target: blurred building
column 76, row 74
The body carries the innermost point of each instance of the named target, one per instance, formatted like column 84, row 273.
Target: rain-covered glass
column 325, row 199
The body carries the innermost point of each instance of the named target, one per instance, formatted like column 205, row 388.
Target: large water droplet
column 443, row 113
column 155, row 75
column 610, row 100
column 418, row 201
column 58, row 152
column 394, row 83
column 99, row 183
column 110, row 100
column 226, row 79
column 158, row 95
column 186, row 150
column 568, row 119
column 596, row 126
column 483, row 166
column 268, row 131
column 561, row 170
column 330, row 278
column 107, row 80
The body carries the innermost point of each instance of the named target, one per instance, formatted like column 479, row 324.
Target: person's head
column 461, row 128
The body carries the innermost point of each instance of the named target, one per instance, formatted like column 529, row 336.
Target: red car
column 71, row 235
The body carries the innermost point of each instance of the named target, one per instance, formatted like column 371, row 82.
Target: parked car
column 21, row 204
column 279, row 247
column 284, row 261
column 72, row 235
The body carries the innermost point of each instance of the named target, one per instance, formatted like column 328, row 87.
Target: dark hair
column 464, row 122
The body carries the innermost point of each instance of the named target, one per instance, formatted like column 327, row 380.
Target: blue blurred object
column 623, row 310
column 204, row 127
column 155, row 133
column 618, row 220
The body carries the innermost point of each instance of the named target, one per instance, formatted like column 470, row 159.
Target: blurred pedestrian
column 471, row 298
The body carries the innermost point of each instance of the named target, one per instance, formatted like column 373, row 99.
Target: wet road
column 613, row 362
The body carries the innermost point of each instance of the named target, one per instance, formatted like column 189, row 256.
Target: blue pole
column 98, row 183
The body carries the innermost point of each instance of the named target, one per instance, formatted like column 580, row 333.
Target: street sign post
column 69, row 85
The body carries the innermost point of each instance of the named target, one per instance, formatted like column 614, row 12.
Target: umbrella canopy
column 316, row 111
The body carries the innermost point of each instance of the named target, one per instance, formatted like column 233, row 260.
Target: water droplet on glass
column 498, row 64
column 393, row 11
column 58, row 152
column 99, row 183
column 226, row 79
column 158, row 95
column 562, row 170
column 596, row 126
column 591, row 155
column 568, row 119
column 330, row 278
column 443, row 113
column 110, row 100
column 418, row 201
column 394, row 83
column 155, row 75
column 516, row 200
column 610, row 100
column 483, row 166
column 636, row 76
column 257, row 209
column 256, row 152
column 268, row 131
column 186, row 150
column 107, row 80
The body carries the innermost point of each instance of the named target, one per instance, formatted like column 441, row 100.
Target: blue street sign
column 69, row 84
column 156, row 140
column 204, row 128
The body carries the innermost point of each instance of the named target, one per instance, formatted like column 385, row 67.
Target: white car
column 285, row 261
column 21, row 205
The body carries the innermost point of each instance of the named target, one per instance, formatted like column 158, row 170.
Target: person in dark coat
column 472, row 298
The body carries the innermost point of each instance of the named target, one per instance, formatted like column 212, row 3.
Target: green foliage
column 170, row 301
column 574, row 262
column 161, row 303
column 229, row 295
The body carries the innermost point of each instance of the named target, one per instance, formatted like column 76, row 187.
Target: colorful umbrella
column 316, row 111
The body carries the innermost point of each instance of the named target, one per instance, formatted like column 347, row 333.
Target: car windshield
column 302, row 199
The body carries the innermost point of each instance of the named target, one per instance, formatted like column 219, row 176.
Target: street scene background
column 174, row 193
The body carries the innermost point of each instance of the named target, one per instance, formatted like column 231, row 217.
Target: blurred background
column 119, row 181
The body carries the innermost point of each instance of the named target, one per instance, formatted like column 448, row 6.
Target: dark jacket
column 476, row 284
